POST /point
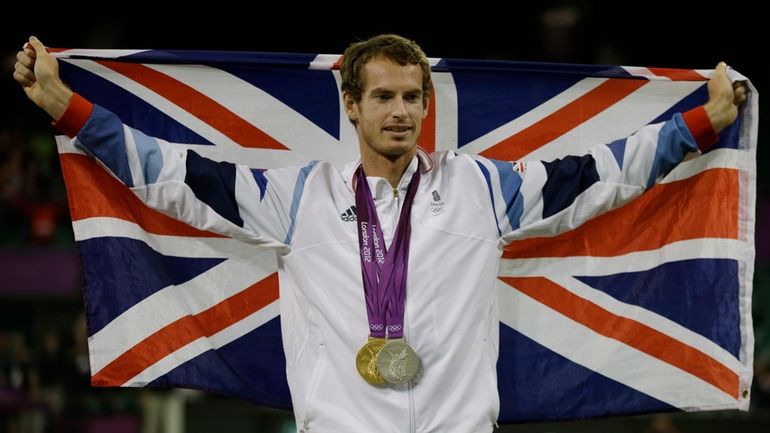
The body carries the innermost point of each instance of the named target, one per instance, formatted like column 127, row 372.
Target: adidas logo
column 349, row 215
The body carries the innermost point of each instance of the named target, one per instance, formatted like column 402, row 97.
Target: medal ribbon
column 383, row 270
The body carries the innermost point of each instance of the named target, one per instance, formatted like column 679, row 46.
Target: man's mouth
column 398, row 130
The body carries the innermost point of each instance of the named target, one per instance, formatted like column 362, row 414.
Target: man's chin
column 397, row 150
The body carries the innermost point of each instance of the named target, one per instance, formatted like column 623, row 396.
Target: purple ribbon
column 383, row 270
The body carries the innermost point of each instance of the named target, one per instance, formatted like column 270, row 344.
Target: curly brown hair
column 394, row 47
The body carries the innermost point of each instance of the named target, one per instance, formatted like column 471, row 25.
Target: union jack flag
column 645, row 308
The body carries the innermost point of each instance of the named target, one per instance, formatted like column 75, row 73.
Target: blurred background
column 43, row 354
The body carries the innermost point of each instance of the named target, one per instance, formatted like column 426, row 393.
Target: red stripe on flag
column 563, row 120
column 197, row 104
column 338, row 64
column 92, row 192
column 692, row 208
column 628, row 331
column 427, row 138
column 678, row 74
column 185, row 330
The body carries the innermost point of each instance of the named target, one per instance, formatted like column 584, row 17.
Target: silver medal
column 397, row 362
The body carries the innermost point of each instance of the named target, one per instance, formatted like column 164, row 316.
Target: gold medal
column 366, row 361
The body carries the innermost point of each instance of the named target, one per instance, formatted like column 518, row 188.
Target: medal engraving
column 397, row 362
column 366, row 361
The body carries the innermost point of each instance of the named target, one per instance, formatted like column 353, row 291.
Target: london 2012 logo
column 436, row 205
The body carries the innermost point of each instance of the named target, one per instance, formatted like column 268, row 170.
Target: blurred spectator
column 163, row 410
column 32, row 196
column 23, row 414
column 662, row 423
column 17, row 361
column 50, row 370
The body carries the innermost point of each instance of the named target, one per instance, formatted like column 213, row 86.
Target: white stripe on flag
column 533, row 116
column 619, row 120
column 67, row 145
column 201, row 345
column 225, row 149
column 651, row 319
column 324, row 62
column 158, row 101
column 163, row 307
column 446, row 110
column 717, row 158
column 178, row 246
column 257, row 107
column 103, row 54
column 660, row 380
column 714, row 248
column 640, row 71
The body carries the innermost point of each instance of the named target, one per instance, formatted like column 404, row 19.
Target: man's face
column 391, row 109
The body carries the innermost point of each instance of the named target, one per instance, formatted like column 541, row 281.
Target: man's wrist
column 701, row 127
column 719, row 116
column 75, row 116
column 57, row 101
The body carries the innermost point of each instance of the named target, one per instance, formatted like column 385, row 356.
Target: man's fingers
column 25, row 60
column 741, row 92
column 27, row 48
column 740, row 89
column 22, row 79
column 37, row 46
column 721, row 68
column 25, row 72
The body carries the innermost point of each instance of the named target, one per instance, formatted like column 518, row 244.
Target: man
column 389, row 316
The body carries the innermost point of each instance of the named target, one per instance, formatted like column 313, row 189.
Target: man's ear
column 351, row 108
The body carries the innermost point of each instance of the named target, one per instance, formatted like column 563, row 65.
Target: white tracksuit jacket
column 466, row 209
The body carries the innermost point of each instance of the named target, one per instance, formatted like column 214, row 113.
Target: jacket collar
column 421, row 159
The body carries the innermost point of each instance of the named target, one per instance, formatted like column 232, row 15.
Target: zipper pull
column 395, row 192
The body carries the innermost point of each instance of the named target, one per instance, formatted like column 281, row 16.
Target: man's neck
column 390, row 168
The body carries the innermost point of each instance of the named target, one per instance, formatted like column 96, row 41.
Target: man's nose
column 399, row 108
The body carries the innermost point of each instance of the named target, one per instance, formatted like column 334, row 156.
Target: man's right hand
column 38, row 73
column 724, row 98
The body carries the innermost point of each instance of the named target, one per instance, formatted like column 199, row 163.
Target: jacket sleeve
column 234, row 200
column 536, row 198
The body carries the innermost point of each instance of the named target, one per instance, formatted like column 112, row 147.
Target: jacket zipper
column 410, row 384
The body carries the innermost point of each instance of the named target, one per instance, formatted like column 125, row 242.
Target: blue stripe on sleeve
column 566, row 179
column 299, row 187
column 485, row 172
column 261, row 181
column 102, row 137
column 618, row 149
column 150, row 156
column 214, row 184
column 674, row 140
column 510, row 184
